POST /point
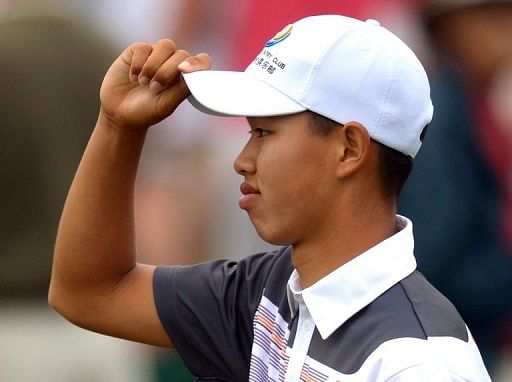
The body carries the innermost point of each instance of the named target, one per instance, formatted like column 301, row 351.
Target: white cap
column 342, row 68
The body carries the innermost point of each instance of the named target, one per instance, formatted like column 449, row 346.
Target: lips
column 247, row 189
column 249, row 197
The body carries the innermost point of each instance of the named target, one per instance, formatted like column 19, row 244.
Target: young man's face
column 290, row 178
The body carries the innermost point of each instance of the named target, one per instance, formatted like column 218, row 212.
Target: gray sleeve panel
column 411, row 308
column 437, row 315
column 207, row 311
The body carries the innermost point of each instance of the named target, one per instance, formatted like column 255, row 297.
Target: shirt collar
column 335, row 298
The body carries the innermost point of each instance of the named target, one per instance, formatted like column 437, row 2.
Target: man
column 336, row 108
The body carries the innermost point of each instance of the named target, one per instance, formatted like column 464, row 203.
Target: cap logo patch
column 280, row 36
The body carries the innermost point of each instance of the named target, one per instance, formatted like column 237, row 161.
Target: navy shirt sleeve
column 207, row 310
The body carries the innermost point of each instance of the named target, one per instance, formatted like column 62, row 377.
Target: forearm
column 95, row 245
column 95, row 281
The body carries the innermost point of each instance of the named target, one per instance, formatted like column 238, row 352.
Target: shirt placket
column 299, row 351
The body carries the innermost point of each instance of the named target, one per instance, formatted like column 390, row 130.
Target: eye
column 259, row 132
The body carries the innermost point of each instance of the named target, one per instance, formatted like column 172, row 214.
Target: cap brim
column 226, row 93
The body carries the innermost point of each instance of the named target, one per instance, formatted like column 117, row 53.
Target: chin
column 273, row 236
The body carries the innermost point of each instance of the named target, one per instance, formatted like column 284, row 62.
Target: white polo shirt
column 373, row 319
column 330, row 302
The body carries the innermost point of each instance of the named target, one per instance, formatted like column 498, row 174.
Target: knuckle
column 144, row 45
column 182, row 52
column 140, row 45
column 167, row 44
column 132, row 46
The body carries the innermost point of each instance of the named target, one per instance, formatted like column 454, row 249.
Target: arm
column 96, row 282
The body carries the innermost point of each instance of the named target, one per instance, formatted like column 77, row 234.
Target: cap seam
column 381, row 117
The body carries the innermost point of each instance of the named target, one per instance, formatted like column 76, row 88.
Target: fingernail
column 143, row 80
column 156, row 86
column 134, row 78
column 184, row 65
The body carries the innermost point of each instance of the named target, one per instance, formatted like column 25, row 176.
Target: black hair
column 394, row 169
column 320, row 125
column 394, row 166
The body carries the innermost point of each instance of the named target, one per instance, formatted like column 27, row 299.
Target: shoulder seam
column 414, row 309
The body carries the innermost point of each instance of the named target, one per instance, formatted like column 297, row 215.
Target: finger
column 171, row 97
column 141, row 52
column 168, row 74
column 201, row 61
column 162, row 50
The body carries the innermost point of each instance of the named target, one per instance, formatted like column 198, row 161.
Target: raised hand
column 144, row 85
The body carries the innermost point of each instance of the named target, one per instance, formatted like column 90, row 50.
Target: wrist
column 108, row 123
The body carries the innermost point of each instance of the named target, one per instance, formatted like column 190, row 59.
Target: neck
column 322, row 253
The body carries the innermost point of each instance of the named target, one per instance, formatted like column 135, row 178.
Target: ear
column 354, row 148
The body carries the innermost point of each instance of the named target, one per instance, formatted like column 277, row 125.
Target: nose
column 245, row 162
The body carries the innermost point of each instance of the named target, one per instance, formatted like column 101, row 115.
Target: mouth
column 249, row 195
column 246, row 189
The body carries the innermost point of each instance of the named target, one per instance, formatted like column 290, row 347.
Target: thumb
column 191, row 64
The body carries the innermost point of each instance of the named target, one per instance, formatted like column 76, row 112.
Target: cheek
column 296, row 174
column 295, row 188
column 295, row 169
